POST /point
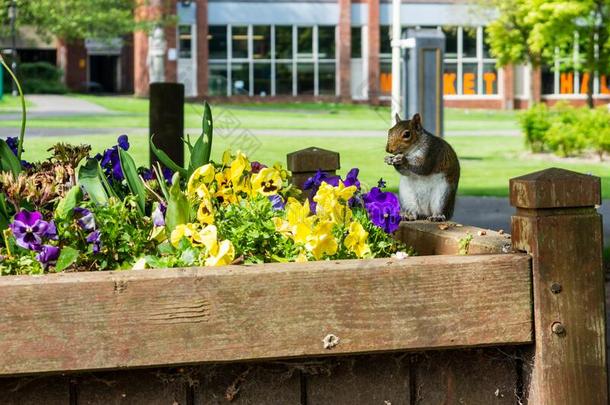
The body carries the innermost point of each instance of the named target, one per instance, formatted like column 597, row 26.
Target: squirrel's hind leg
column 440, row 193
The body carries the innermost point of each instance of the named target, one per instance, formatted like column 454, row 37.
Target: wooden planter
column 523, row 325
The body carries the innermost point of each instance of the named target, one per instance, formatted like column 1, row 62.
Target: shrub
column 41, row 78
column 535, row 122
column 594, row 126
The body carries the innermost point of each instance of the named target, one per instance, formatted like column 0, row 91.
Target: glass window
column 385, row 44
column 305, row 43
column 283, row 42
column 326, row 79
column 217, row 41
column 469, row 79
column 185, row 42
column 385, row 77
column 547, row 80
column 356, row 42
column 240, row 42
column 326, row 42
column 262, row 79
column 490, row 79
column 240, row 75
column 486, row 47
column 450, row 82
column 451, row 42
column 305, row 77
column 469, row 43
column 217, row 80
column 261, row 42
column 283, row 78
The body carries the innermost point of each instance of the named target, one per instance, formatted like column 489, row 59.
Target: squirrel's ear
column 397, row 118
column 416, row 120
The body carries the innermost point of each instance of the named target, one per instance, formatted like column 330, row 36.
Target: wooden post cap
column 555, row 188
column 313, row 159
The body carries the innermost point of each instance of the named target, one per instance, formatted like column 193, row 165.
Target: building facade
column 318, row 50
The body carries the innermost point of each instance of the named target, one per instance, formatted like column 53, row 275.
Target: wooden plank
column 150, row 387
column 466, row 377
column 381, row 379
column 249, row 383
column 35, row 391
column 106, row 320
column 431, row 238
column 568, row 280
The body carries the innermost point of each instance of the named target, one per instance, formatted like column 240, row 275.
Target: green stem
column 23, row 112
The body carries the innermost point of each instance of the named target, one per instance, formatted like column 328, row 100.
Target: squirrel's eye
column 406, row 135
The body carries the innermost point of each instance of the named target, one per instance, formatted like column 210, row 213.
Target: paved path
column 57, row 106
column 303, row 133
column 495, row 212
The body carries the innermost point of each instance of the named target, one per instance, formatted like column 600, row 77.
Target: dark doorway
column 103, row 73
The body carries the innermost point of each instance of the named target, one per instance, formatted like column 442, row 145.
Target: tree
column 75, row 19
column 558, row 24
column 539, row 31
column 509, row 35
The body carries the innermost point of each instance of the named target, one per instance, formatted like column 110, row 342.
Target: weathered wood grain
column 486, row 377
column 93, row 321
column 249, row 384
column 150, row 387
column 427, row 238
column 362, row 380
column 568, row 285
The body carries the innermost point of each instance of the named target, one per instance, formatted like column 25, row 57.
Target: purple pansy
column 29, row 229
column 158, row 215
column 352, row 178
column 13, row 143
column 86, row 220
column 48, row 255
column 147, row 174
column 383, row 209
column 110, row 160
column 256, row 167
column 313, row 184
column 277, row 202
column 95, row 239
column 167, row 175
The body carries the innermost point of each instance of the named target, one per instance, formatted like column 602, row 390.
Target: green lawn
column 133, row 113
column 487, row 162
column 11, row 104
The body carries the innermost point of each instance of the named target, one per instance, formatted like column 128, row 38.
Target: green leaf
column 8, row 160
column 178, row 208
column 161, row 181
column 166, row 160
column 67, row 204
column 67, row 257
column 203, row 146
column 89, row 177
column 111, row 192
column 135, row 183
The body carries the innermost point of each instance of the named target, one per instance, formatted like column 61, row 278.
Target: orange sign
column 566, row 84
column 385, row 82
column 469, row 83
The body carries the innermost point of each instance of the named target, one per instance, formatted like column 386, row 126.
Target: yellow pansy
column 301, row 258
column 238, row 166
column 355, row 240
column 200, row 178
column 332, row 202
column 189, row 231
column 298, row 223
column 267, row 182
column 205, row 213
column 226, row 157
column 321, row 240
column 222, row 255
column 209, row 237
column 225, row 192
column 283, row 172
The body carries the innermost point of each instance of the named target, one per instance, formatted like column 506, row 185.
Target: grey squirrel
column 429, row 171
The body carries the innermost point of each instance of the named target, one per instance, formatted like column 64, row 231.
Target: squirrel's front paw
column 437, row 218
column 394, row 160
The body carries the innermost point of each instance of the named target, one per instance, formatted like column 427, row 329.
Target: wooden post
column 305, row 163
column 166, row 120
column 557, row 223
